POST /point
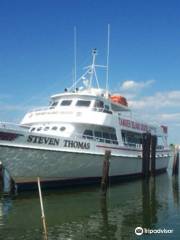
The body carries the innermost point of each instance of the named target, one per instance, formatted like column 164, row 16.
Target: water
column 82, row 214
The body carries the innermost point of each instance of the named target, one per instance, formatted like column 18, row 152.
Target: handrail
column 97, row 139
column 41, row 108
column 74, row 107
column 12, row 126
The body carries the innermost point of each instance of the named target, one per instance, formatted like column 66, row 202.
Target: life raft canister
column 119, row 99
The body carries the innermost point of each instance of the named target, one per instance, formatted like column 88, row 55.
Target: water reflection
column 149, row 202
column 83, row 214
column 175, row 190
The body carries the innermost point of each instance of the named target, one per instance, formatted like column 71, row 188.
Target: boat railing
column 107, row 140
column 13, row 126
column 41, row 109
column 97, row 139
column 134, row 145
column 160, row 147
column 96, row 109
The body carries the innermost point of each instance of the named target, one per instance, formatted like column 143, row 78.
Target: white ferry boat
column 67, row 140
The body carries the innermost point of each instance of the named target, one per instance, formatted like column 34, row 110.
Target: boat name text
column 43, row 140
column 76, row 144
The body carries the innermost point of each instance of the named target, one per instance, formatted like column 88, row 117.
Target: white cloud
column 133, row 86
column 170, row 117
column 160, row 100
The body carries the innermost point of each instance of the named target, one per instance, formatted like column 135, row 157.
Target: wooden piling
column 175, row 169
column 1, row 176
column 153, row 154
column 105, row 173
column 175, row 190
column 42, row 210
column 146, row 154
column 8, row 185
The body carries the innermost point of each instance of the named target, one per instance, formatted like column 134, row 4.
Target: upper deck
column 92, row 106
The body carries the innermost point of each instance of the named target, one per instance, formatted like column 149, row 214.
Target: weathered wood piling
column 105, row 173
column 1, row 176
column 149, row 143
column 7, row 185
column 175, row 169
column 146, row 143
column 153, row 154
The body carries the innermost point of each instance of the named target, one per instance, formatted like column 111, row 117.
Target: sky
column 37, row 53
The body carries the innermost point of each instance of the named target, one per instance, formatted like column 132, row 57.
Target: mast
column 92, row 70
column 90, row 73
column 75, row 57
column 107, row 63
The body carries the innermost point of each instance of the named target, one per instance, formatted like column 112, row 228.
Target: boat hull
column 26, row 164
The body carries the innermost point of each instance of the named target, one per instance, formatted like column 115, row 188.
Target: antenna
column 75, row 56
column 92, row 67
column 107, row 70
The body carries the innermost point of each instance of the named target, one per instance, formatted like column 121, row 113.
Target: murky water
column 82, row 213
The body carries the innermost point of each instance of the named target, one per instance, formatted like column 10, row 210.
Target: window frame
column 69, row 101
column 88, row 101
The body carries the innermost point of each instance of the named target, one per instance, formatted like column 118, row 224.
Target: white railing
column 96, row 139
column 13, row 126
column 41, row 109
column 96, row 109
column 131, row 144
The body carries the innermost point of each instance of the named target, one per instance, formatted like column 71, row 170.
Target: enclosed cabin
column 132, row 131
column 88, row 113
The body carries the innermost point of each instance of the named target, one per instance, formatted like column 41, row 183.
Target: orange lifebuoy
column 119, row 99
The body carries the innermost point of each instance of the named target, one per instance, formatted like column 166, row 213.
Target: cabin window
column 39, row 129
column 46, row 128
column 98, row 136
column 106, row 136
column 114, row 138
column 107, row 109
column 88, row 134
column 131, row 138
column 33, row 129
column 62, row 129
column 66, row 102
column 83, row 103
column 54, row 128
column 54, row 104
column 99, row 104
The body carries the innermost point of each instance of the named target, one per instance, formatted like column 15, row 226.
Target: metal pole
column 42, row 210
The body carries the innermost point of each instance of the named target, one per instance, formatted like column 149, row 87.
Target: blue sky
column 36, row 53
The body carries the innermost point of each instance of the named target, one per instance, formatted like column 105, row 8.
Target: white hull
column 25, row 164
